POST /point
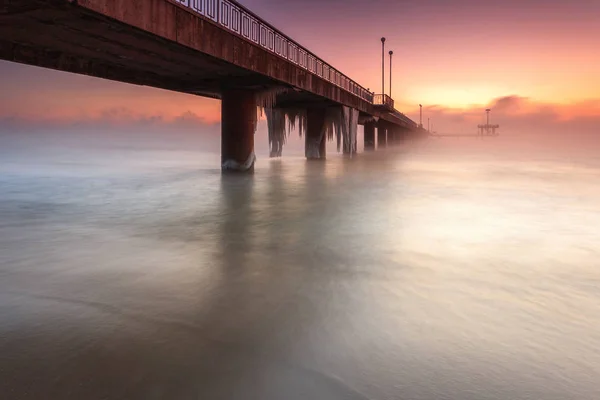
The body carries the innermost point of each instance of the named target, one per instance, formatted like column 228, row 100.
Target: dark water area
column 131, row 268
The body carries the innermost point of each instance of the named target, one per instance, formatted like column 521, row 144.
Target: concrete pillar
column 238, row 124
column 381, row 135
column 390, row 135
column 394, row 134
column 315, row 144
column 402, row 133
column 370, row 135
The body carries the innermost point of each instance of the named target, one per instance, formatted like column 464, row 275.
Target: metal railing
column 383, row 100
column 404, row 118
column 236, row 18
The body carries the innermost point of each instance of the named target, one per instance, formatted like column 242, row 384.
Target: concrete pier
column 394, row 135
column 381, row 135
column 370, row 136
column 203, row 51
column 238, row 124
column 315, row 144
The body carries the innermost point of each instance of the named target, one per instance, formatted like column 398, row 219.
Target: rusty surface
column 238, row 108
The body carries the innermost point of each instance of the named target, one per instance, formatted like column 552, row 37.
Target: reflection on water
column 431, row 272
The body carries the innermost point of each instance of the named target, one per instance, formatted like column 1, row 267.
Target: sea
column 447, row 268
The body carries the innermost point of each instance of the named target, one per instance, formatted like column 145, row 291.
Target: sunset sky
column 532, row 60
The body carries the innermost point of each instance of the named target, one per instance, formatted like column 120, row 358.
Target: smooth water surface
column 440, row 270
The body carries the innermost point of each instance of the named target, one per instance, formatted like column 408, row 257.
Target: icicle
column 280, row 123
column 346, row 130
column 339, row 130
column 268, row 98
column 296, row 118
column 276, row 130
column 353, row 130
column 332, row 122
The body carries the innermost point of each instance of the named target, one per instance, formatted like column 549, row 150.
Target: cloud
column 112, row 117
column 509, row 103
column 517, row 115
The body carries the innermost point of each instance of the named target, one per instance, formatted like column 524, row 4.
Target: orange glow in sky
column 459, row 55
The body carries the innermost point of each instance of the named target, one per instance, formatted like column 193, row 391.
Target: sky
column 535, row 62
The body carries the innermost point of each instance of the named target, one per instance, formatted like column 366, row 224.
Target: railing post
column 293, row 54
column 218, row 11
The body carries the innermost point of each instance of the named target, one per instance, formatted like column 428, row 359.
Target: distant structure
column 488, row 129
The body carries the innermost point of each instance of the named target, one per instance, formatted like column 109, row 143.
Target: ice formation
column 232, row 165
column 349, row 129
column 340, row 122
column 276, row 129
column 280, row 123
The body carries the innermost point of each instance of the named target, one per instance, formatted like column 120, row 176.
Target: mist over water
column 130, row 268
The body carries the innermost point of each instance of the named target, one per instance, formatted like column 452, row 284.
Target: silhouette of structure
column 488, row 129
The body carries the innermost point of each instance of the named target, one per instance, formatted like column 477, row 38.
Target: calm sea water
column 449, row 269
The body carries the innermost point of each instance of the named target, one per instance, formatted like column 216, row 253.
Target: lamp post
column 420, row 115
column 382, row 66
column 487, row 123
column 391, row 54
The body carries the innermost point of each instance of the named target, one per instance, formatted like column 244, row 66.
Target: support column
column 381, row 135
column 370, row 135
column 394, row 134
column 391, row 135
column 315, row 144
column 403, row 134
column 238, row 124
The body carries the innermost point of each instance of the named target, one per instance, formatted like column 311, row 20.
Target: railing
column 388, row 102
column 405, row 119
column 236, row 18
column 383, row 100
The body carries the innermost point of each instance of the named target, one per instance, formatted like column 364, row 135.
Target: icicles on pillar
column 339, row 122
column 267, row 98
column 346, row 128
column 276, row 129
column 350, row 142
column 296, row 119
column 265, row 101
column 280, row 123
column 354, row 129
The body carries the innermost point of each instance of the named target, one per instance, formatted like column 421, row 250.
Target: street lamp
column 391, row 54
column 382, row 66
column 420, row 115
